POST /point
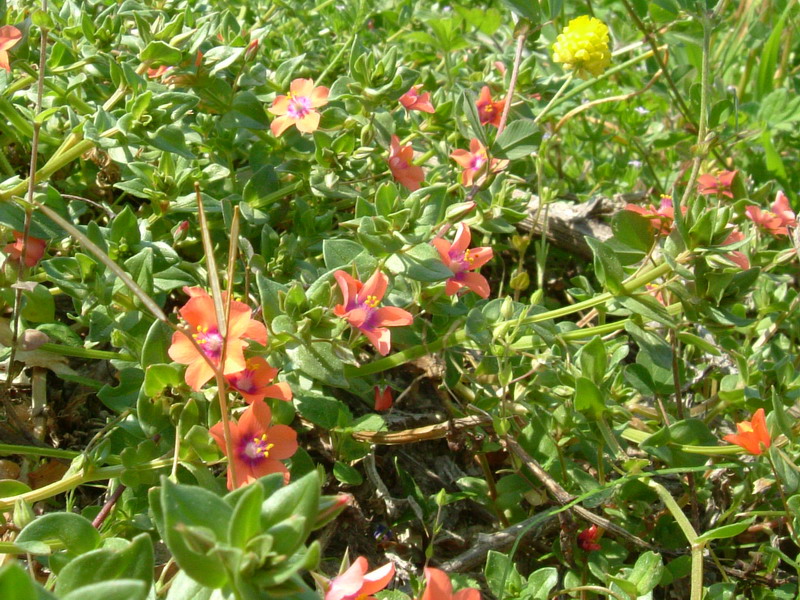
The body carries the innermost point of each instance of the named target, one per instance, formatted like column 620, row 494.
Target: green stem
column 79, row 352
column 553, row 100
column 349, row 43
column 8, row 449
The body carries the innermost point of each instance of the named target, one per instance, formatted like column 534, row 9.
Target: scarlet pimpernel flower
column 356, row 584
column 583, row 47
column 719, row 183
column 752, row 435
column 438, row 587
column 661, row 218
column 383, row 398
column 9, row 36
column 407, row 174
column 475, row 161
column 33, row 253
column 201, row 320
column 460, row 259
column 775, row 221
column 258, row 446
column 413, row 100
column 299, row 107
column 255, row 382
column 489, row 112
column 359, row 307
column 735, row 256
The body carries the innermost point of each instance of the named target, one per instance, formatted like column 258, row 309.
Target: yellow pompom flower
column 583, row 46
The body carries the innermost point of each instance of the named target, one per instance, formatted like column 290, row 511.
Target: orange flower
column 413, row 100
column 201, row 318
column 735, row 256
column 751, row 434
column 356, row 584
column 777, row 220
column 383, row 398
column 299, row 107
column 400, row 157
column 488, row 111
column 360, row 308
column 661, row 218
column 476, row 161
column 460, row 260
column 33, row 253
column 716, row 184
column 255, row 382
column 438, row 587
column 258, row 447
column 9, row 36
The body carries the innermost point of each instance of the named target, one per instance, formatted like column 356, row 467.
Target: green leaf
column 521, row 138
column 39, row 306
column 726, row 531
column 15, row 584
column 527, row 9
column 300, row 499
column 135, row 561
column 633, row 230
column 594, row 360
column 588, row 397
column 340, row 253
column 646, row 572
column 322, row 411
column 540, row 583
column 184, row 507
column 421, row 263
column 171, row 139
column 70, row 531
column 768, row 57
column 245, row 522
column 347, row 474
column 607, row 266
column 318, row 361
column 157, row 378
column 161, row 53
column 154, row 350
column 122, row 589
column 502, row 576
column 469, row 108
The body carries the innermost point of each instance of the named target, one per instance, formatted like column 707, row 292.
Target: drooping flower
column 258, row 446
column 460, row 259
column 9, row 36
column 383, row 398
column 777, row 220
column 661, row 218
column 583, row 46
column 488, row 111
column 588, row 538
column 406, row 174
column 356, row 584
column 735, row 256
column 413, row 100
column 299, row 107
column 719, row 184
column 201, row 320
column 752, row 435
column 33, row 252
column 360, row 308
column 438, row 587
column 475, row 161
column 255, row 382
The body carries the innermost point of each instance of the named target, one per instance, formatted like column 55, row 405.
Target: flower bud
column 520, row 281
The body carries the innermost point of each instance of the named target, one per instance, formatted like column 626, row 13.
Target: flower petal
column 280, row 106
column 476, row 282
column 319, row 96
column 302, row 87
column 391, row 316
column 462, row 239
column 309, row 123
column 437, row 585
column 281, row 124
column 285, row 440
column 377, row 579
column 374, row 286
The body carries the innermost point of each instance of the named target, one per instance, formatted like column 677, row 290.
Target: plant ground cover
column 275, row 323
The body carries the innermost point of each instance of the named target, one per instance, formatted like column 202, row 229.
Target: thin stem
column 512, row 84
column 108, row 507
column 553, row 100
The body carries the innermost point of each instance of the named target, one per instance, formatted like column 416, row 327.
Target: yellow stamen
column 372, row 301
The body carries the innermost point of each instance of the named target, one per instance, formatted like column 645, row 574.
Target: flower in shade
column 588, row 538
column 407, row 174
column 751, row 435
column 299, row 107
column 716, row 184
column 488, row 111
column 9, row 36
column 356, row 584
column 460, row 259
column 735, row 256
column 777, row 220
column 255, row 382
column 201, row 320
column 359, row 307
column 475, row 161
column 383, row 398
column 583, row 46
column 438, row 587
column 258, row 447
column 413, row 100
column 33, row 252
column 661, row 218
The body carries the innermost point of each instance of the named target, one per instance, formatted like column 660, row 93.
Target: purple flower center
column 255, row 450
column 477, row 162
column 370, row 307
column 299, row 106
column 210, row 341
column 461, row 261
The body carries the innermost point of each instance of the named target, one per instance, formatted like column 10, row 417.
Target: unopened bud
column 520, row 281
column 23, row 513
